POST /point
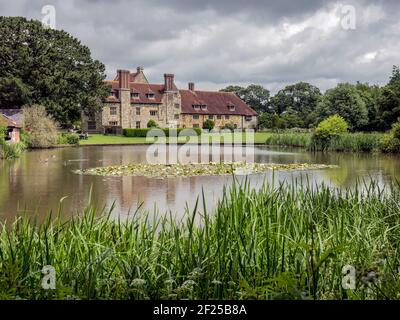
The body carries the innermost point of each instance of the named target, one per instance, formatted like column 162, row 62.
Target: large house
column 133, row 101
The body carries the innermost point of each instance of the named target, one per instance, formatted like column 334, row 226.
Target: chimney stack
column 191, row 86
column 139, row 69
column 168, row 82
column 123, row 78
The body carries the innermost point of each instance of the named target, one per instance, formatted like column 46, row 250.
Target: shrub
column 390, row 143
column 40, row 127
column 152, row 124
column 327, row 131
column 11, row 150
column 68, row 138
column 143, row 132
column 230, row 126
column 208, row 124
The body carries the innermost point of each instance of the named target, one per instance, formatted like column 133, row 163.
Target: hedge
column 143, row 132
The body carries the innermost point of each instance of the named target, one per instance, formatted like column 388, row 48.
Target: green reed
column 351, row 142
column 282, row 242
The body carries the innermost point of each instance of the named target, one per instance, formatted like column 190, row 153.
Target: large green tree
column 299, row 101
column 256, row 96
column 40, row 65
column 389, row 101
column 370, row 95
column 346, row 101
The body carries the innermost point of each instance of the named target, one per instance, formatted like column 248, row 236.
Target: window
column 196, row 107
column 196, row 117
column 150, row 95
column 219, row 117
column 113, row 111
column 134, row 95
column 249, row 118
column 231, row 108
column 153, row 112
column 203, row 107
column 137, row 111
column 211, row 117
column 177, row 105
column 196, row 125
column 177, row 117
column 113, row 93
column 91, row 125
column 137, row 124
column 226, row 117
column 113, row 123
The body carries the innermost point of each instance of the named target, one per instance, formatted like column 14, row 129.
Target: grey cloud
column 216, row 43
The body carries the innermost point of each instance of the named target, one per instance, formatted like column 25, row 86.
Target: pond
column 37, row 181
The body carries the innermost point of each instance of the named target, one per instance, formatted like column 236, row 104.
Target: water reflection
column 39, row 179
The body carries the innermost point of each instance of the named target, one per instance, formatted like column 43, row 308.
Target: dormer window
column 203, row 107
column 113, row 93
column 200, row 107
column 135, row 95
column 150, row 95
column 196, row 107
column 231, row 107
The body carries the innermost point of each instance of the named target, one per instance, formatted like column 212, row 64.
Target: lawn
column 99, row 139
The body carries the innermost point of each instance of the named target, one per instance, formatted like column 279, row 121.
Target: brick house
column 133, row 101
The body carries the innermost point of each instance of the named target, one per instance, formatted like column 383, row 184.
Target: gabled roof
column 6, row 121
column 142, row 89
column 217, row 103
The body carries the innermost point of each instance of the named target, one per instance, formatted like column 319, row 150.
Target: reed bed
column 351, row 142
column 285, row 242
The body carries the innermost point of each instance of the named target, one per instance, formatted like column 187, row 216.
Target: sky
column 232, row 42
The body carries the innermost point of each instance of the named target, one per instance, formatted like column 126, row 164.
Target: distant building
column 13, row 126
column 133, row 101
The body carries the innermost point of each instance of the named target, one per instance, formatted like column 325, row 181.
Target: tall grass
column 351, row 142
column 11, row 150
column 290, row 241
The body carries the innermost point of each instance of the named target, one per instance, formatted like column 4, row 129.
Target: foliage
column 389, row 105
column 208, row 124
column 152, row 124
column 11, row 150
column 40, row 127
column 390, row 143
column 346, row 101
column 291, row 119
column 277, row 242
column 301, row 99
column 49, row 67
column 327, row 131
column 256, row 96
column 68, row 138
column 128, row 132
column 230, row 126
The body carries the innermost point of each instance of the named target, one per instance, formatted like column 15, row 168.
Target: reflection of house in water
column 13, row 122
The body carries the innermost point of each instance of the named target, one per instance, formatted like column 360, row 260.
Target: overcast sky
column 216, row 43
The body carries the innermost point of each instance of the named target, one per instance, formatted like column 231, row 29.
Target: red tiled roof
column 217, row 103
column 142, row 89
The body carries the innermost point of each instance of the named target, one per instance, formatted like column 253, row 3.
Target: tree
column 301, row 98
column 256, row 96
column 370, row 95
column 328, row 130
column 208, row 124
column 40, row 127
column 40, row 65
column 346, row 101
column 151, row 124
column 291, row 119
column 388, row 101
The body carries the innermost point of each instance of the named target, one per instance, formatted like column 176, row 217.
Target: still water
column 39, row 179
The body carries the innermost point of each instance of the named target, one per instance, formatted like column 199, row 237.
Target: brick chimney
column 168, row 82
column 123, row 77
column 191, row 86
column 139, row 69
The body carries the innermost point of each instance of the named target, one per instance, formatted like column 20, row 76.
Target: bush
column 68, row 138
column 11, row 150
column 143, row 132
column 40, row 127
column 327, row 131
column 152, row 124
column 390, row 143
column 230, row 126
column 208, row 124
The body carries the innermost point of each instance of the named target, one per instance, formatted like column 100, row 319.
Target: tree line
column 365, row 107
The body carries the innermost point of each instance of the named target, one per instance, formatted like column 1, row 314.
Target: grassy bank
column 350, row 142
column 99, row 139
column 285, row 242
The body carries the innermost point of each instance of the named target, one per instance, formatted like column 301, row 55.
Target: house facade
column 133, row 101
